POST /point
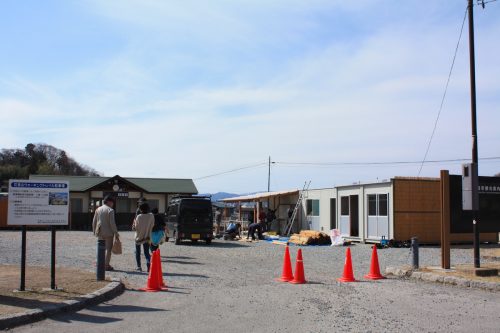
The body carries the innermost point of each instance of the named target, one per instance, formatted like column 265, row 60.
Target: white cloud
column 373, row 98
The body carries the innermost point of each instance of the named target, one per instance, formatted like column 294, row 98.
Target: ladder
column 288, row 228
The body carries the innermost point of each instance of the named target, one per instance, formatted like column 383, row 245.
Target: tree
column 39, row 159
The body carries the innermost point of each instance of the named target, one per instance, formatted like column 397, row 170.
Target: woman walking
column 158, row 234
column 143, row 226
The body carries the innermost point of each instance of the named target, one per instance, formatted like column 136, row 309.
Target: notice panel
column 38, row 202
column 489, row 206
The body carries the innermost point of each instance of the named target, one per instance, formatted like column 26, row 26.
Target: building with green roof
column 86, row 194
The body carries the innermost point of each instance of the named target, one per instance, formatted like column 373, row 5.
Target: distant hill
column 42, row 159
column 223, row 195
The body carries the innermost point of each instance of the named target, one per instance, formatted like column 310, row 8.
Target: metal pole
column 53, row 258
column 475, row 159
column 414, row 251
column 23, row 259
column 445, row 219
column 101, row 256
column 268, row 185
column 269, row 175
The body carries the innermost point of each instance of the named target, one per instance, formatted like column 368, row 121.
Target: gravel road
column 231, row 286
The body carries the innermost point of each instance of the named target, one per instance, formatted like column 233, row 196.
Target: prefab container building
column 397, row 209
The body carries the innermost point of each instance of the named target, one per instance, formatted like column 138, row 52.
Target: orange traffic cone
column 153, row 283
column 299, row 270
column 374, row 267
column 348, row 275
column 160, row 271
column 287, row 274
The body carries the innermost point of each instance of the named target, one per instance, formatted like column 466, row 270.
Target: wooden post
column 239, row 210
column 445, row 219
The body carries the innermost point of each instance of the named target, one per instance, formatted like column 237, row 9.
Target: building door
column 333, row 213
column 378, row 217
column 344, row 216
column 354, row 215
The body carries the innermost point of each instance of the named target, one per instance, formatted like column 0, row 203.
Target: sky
column 189, row 89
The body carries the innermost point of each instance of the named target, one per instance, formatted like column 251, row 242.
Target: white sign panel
column 38, row 202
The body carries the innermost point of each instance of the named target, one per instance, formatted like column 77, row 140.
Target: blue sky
column 192, row 88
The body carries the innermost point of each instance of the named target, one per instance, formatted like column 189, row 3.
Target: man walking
column 104, row 227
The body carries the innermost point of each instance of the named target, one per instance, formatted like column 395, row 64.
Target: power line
column 232, row 170
column 485, row 2
column 379, row 163
column 444, row 95
column 334, row 164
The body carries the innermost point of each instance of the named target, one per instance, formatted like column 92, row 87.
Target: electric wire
column 485, row 2
column 232, row 171
column 378, row 163
column 444, row 95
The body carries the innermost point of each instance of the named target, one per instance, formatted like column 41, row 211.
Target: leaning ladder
column 288, row 228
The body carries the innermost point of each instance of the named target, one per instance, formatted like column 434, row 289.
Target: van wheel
column 209, row 241
column 177, row 241
column 194, row 241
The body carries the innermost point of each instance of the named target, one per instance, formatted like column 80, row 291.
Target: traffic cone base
column 343, row 279
column 374, row 277
column 374, row 267
column 299, row 270
column 287, row 274
column 348, row 275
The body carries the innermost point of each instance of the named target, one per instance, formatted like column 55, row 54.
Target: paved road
column 230, row 286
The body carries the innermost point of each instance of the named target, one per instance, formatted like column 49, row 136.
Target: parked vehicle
column 190, row 217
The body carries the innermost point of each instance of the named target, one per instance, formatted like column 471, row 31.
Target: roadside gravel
column 231, row 286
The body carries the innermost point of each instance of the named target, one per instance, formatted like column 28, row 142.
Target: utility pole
column 269, row 175
column 475, row 193
column 269, row 183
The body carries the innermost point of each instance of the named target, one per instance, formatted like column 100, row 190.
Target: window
column 312, row 207
column 122, row 205
column 77, row 205
column 382, row 204
column 372, row 204
column 344, row 206
column 377, row 204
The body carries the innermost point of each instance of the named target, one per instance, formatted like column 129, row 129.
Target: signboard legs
column 53, row 258
column 23, row 259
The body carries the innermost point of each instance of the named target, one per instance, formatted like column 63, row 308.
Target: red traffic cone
column 348, row 275
column 299, row 270
column 374, row 267
column 287, row 274
column 153, row 283
column 160, row 271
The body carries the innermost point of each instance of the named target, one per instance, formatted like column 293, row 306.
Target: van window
column 196, row 205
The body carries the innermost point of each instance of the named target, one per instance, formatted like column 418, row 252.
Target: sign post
column 23, row 259
column 38, row 203
column 445, row 220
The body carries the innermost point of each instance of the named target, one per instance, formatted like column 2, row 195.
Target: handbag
column 117, row 246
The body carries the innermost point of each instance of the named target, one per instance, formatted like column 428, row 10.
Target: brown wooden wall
column 417, row 212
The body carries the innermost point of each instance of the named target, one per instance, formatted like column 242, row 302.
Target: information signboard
column 489, row 206
column 38, row 202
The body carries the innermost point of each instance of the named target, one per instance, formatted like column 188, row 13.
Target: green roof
column 76, row 183
column 150, row 185
column 165, row 185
